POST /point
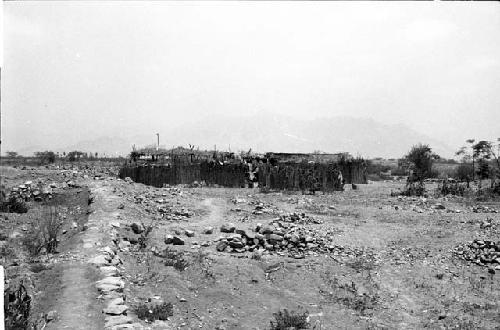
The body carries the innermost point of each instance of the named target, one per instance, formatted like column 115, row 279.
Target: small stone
column 116, row 261
column 240, row 232
column 221, row 246
column 108, row 250
column 189, row 233
column 208, row 230
column 115, row 224
column 169, row 239
column 439, row 206
column 227, row 228
column 52, row 315
column 136, row 228
column 236, row 244
column 266, row 230
column 116, row 301
column 177, row 241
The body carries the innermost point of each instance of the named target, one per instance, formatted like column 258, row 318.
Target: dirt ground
column 391, row 262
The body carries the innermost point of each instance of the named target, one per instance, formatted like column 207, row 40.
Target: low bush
column 411, row 189
column 285, row 320
column 43, row 233
column 157, row 312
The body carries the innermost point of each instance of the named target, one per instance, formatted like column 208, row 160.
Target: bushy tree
column 480, row 153
column 46, row 156
column 12, row 154
column 421, row 159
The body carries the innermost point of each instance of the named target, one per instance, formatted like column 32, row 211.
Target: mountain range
column 262, row 132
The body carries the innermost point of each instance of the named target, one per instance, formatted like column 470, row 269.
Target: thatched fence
column 283, row 176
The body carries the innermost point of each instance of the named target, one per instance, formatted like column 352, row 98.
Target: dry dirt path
column 78, row 306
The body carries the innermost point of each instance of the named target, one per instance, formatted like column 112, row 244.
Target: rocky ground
column 215, row 258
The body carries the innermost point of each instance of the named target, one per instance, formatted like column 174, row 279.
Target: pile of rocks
column 481, row 252
column 280, row 237
column 157, row 203
column 483, row 209
column 489, row 223
column 28, row 191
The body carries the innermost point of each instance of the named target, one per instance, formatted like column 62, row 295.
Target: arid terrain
column 219, row 258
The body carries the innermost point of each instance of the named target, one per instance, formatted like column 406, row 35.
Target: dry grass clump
column 157, row 312
column 43, row 232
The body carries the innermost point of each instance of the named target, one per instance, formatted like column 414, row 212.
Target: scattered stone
column 189, row 233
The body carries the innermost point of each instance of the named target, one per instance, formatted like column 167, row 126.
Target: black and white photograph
column 249, row 165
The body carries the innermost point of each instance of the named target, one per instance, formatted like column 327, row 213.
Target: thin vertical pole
column 2, row 290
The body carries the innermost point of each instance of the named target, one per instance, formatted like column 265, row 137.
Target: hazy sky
column 76, row 70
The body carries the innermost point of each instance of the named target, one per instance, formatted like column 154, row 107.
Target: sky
column 76, row 70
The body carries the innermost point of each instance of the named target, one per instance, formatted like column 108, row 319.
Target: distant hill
column 261, row 132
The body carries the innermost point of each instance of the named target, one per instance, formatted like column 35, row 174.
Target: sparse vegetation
column 43, row 232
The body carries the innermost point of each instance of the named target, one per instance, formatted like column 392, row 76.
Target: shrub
column 43, row 233
column 175, row 259
column 286, row 320
column 13, row 204
column 158, row 312
column 451, row 188
column 17, row 307
column 143, row 239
